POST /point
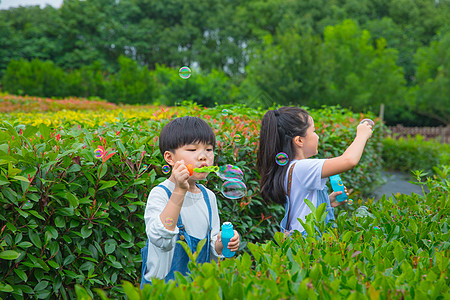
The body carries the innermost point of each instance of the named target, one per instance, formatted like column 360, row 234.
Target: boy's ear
column 169, row 157
column 298, row 141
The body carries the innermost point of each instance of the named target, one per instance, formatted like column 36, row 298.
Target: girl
column 291, row 130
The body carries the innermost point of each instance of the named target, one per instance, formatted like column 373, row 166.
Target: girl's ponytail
column 278, row 128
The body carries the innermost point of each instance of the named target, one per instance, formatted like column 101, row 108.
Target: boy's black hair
column 183, row 131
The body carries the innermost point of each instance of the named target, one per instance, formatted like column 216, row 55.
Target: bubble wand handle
column 207, row 169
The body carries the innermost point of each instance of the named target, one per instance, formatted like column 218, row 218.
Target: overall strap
column 169, row 194
column 291, row 169
column 206, row 197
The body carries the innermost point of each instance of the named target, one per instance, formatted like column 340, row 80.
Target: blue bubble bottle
column 227, row 234
column 337, row 185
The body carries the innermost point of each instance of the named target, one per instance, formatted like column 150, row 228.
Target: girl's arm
column 350, row 158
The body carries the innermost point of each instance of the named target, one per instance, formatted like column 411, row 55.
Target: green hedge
column 69, row 218
column 415, row 153
column 396, row 248
column 131, row 84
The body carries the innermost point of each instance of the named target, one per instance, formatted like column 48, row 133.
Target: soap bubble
column 166, row 169
column 350, row 202
column 227, row 172
column 376, row 228
column 372, row 123
column 237, row 138
column 27, row 205
column 233, row 189
column 282, row 159
column 144, row 168
column 224, row 112
column 98, row 153
column 185, row 72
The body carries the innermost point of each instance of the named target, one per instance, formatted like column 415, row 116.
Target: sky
column 5, row 4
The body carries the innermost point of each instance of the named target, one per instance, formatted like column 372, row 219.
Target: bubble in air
column 372, row 123
column 224, row 112
column 282, row 159
column 376, row 228
column 27, row 205
column 237, row 138
column 350, row 202
column 166, row 169
column 227, row 172
column 234, row 189
column 99, row 152
column 185, row 72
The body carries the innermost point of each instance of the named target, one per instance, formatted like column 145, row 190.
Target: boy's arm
column 158, row 235
column 350, row 158
column 169, row 215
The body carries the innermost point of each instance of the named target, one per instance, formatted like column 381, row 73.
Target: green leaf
column 73, row 200
column 86, row 231
column 4, row 287
column 21, row 274
column 41, row 285
column 107, row 184
column 36, row 214
column 110, row 246
column 45, row 131
column 81, row 292
column 21, row 178
column 102, row 171
column 34, row 237
column 59, row 222
column 131, row 291
column 9, row 254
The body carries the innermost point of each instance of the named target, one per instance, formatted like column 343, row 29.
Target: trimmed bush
column 396, row 248
column 414, row 154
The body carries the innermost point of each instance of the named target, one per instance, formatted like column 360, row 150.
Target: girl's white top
column 306, row 182
column 195, row 216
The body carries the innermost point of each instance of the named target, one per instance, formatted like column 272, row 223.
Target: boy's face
column 197, row 154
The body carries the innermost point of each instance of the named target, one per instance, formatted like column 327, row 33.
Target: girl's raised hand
column 364, row 129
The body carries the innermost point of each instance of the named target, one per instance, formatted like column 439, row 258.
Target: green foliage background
column 357, row 54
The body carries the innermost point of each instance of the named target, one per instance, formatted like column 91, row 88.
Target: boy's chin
column 201, row 176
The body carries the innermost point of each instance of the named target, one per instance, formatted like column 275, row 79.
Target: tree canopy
column 355, row 53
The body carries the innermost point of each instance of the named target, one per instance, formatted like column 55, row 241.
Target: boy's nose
column 202, row 155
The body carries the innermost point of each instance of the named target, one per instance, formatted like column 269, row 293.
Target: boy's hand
column 333, row 196
column 233, row 245
column 181, row 175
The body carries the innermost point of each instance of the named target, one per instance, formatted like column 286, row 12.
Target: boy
column 180, row 209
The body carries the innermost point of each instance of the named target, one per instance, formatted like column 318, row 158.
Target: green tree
column 433, row 80
column 35, row 78
column 363, row 75
column 131, row 84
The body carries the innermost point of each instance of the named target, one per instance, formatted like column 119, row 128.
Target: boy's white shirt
column 195, row 216
column 306, row 182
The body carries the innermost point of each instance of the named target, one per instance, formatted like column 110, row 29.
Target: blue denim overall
column 322, row 197
column 180, row 258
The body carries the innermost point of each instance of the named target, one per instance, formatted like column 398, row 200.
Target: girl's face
column 311, row 140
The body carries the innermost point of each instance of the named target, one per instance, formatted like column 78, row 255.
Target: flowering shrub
column 68, row 217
